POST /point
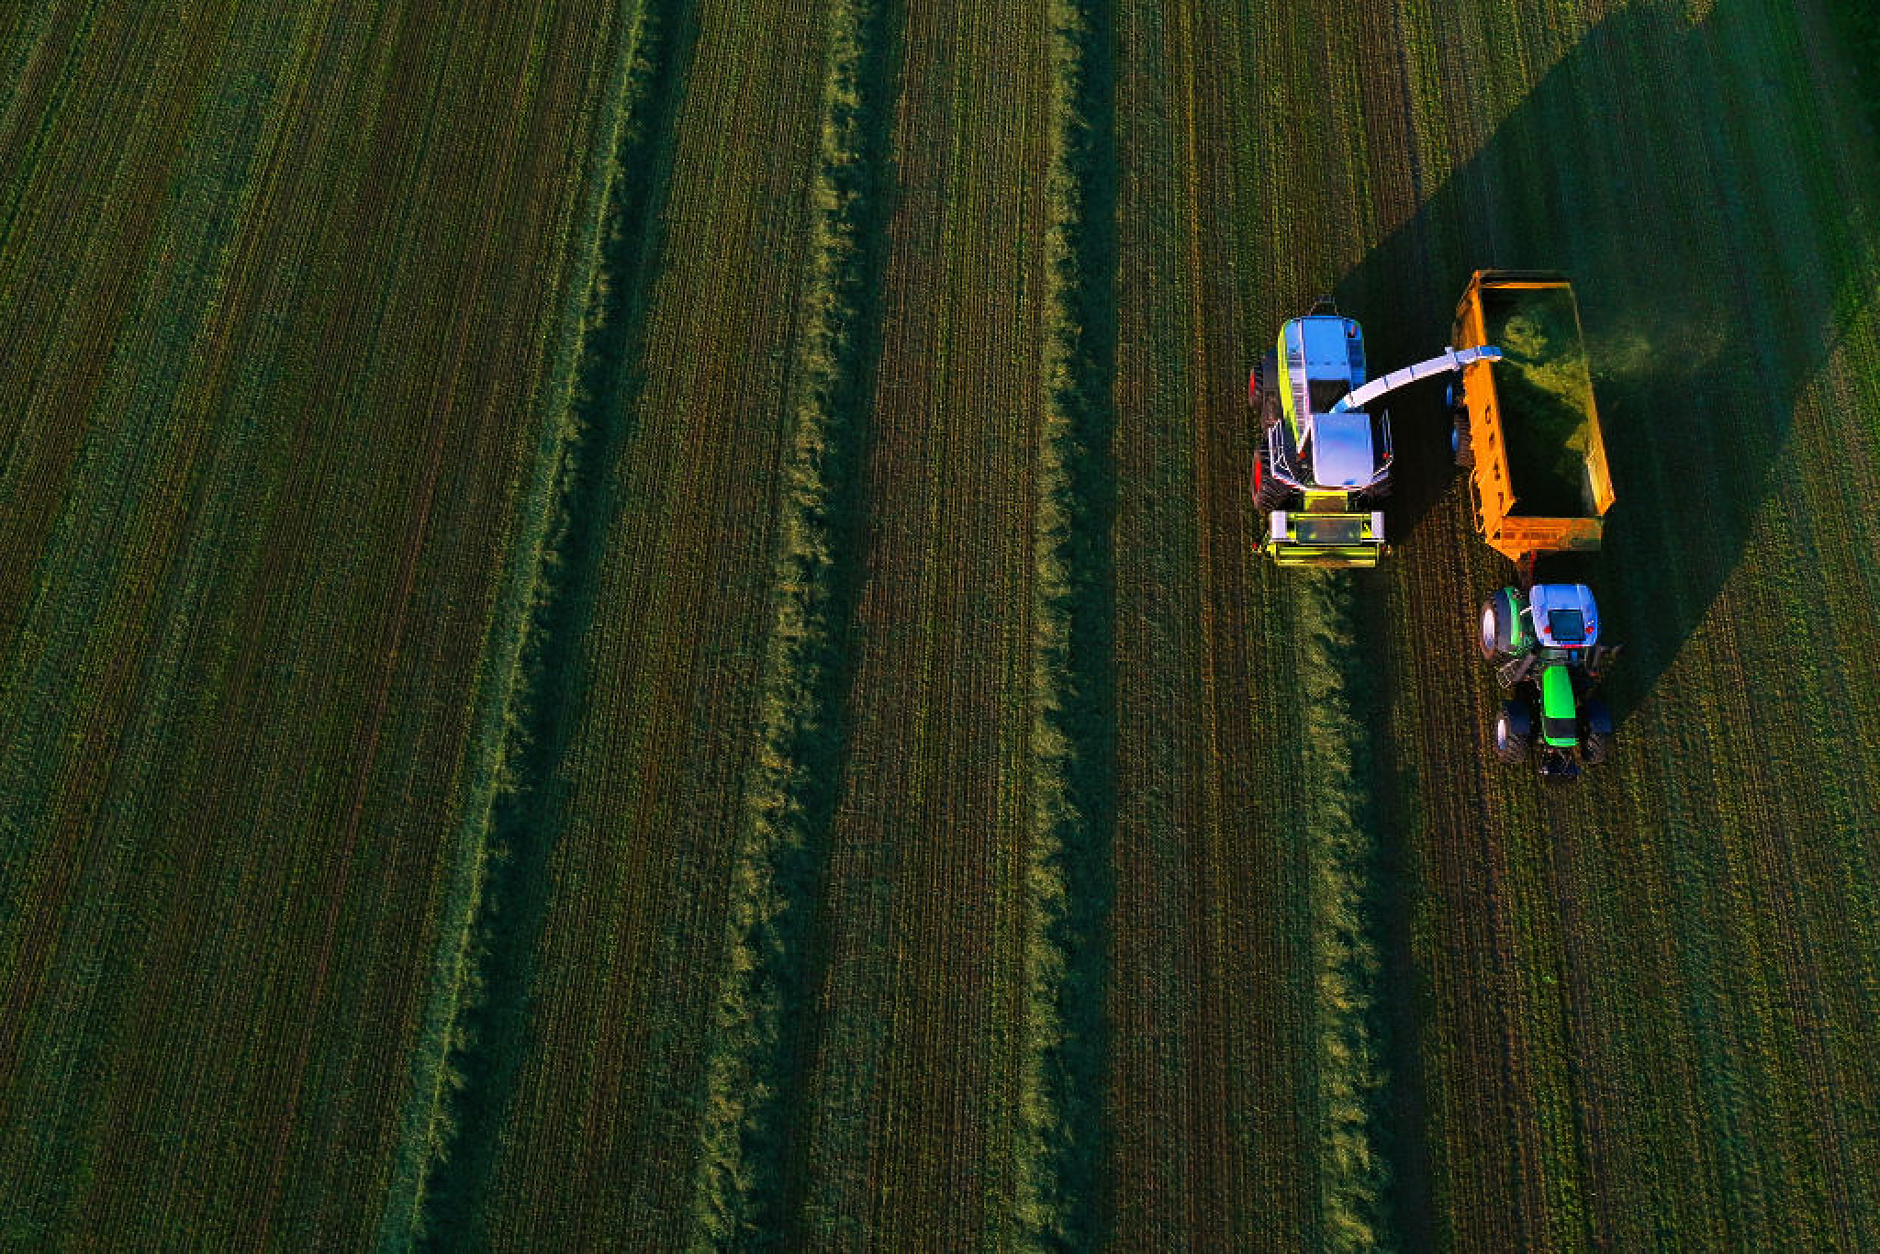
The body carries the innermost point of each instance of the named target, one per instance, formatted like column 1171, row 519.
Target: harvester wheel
column 1268, row 493
column 1269, row 410
column 1512, row 730
column 1499, row 615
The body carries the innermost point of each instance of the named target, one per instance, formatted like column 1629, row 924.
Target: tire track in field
column 481, row 992
column 762, row 1027
column 1069, row 874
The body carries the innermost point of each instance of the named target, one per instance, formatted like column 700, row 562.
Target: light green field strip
column 1059, row 1167
column 912, row 1086
column 196, row 1036
column 599, row 1134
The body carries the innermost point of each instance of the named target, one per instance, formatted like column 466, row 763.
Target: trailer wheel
column 1498, row 623
column 1596, row 732
column 1461, row 445
column 1512, row 732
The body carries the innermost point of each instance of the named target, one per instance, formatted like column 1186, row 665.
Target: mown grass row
column 752, row 1080
column 479, row 983
column 1349, row 1082
column 1060, row 1142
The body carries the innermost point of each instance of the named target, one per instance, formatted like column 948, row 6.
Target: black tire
column 1498, row 622
column 1269, row 410
column 1263, row 382
column 1596, row 732
column 1513, row 730
column 1463, row 447
column 1268, row 493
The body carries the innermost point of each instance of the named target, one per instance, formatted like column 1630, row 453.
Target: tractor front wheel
column 1512, row 732
column 1500, row 615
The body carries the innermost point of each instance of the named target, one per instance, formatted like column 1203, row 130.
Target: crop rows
column 1630, row 974
column 596, row 1069
column 752, row 1097
column 633, row 622
column 266, row 254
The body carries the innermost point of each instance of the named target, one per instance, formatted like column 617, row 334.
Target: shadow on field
column 1711, row 291
column 1702, row 335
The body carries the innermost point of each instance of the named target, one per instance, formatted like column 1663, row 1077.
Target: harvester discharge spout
column 1451, row 360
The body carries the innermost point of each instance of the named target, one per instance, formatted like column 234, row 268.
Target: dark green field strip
column 265, row 610
column 1653, row 983
column 1211, row 998
column 1061, row 1192
column 90, row 163
column 476, row 987
column 911, row 1105
column 634, row 813
column 763, row 1016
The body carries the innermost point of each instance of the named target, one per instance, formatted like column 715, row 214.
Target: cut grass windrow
column 767, row 986
column 480, row 978
column 1351, row 1175
column 1060, row 1137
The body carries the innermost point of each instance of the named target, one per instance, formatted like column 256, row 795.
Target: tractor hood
column 1341, row 450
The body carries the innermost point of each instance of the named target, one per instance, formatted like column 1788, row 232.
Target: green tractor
column 1550, row 659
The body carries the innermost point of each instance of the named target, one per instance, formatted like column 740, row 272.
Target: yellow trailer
column 1527, row 429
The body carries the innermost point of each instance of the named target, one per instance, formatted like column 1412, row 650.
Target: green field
column 636, row 624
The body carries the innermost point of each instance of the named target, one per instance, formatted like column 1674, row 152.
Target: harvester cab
column 1547, row 641
column 1323, row 465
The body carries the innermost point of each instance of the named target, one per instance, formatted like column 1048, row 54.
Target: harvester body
column 1324, row 462
column 1318, row 470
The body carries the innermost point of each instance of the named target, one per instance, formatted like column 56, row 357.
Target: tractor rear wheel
column 1512, row 731
column 1596, row 732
